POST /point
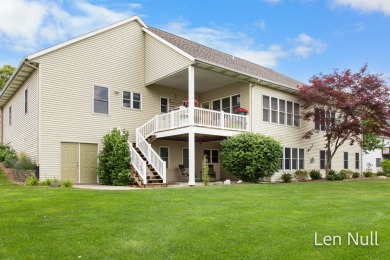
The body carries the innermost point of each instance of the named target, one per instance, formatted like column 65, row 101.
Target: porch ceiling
column 199, row 138
column 205, row 80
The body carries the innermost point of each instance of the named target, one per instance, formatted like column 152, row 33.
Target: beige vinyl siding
column 161, row 60
column 22, row 135
column 114, row 59
column 238, row 87
column 291, row 136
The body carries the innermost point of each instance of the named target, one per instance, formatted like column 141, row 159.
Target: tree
column 250, row 156
column 5, row 72
column 371, row 142
column 114, row 158
column 339, row 103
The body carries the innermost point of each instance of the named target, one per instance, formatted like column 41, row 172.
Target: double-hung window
column 227, row 104
column 322, row 160
column 100, row 101
column 274, row 110
column 10, row 115
column 131, row 100
column 164, row 154
column 164, row 105
column 345, row 160
column 282, row 111
column 266, row 108
column 357, row 161
column 25, row 101
column 289, row 113
column 186, row 157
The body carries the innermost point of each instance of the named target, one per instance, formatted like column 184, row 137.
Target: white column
column 191, row 155
column 191, row 95
column 191, row 134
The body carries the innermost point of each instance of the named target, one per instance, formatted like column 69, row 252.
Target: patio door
column 213, row 159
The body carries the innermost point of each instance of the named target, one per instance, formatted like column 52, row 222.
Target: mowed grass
column 259, row 221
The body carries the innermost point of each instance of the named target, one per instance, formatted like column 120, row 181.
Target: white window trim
column 169, row 157
column 278, row 111
column 132, row 100
column 211, row 154
column 161, row 97
column 93, row 99
column 230, row 100
column 291, row 158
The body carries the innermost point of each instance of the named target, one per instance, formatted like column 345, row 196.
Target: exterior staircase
column 153, row 178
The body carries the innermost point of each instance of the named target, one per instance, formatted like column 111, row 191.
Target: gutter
column 11, row 79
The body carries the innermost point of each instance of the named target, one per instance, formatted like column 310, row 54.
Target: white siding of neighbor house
column 22, row 134
column 161, row 60
column 114, row 59
column 291, row 136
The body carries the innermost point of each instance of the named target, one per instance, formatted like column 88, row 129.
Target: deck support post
column 191, row 134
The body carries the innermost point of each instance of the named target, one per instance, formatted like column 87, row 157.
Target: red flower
column 241, row 110
column 195, row 102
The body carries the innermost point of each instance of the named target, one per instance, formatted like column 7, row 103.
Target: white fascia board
column 85, row 36
column 185, row 54
column 246, row 74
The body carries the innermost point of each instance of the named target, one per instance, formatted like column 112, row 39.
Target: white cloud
column 27, row 25
column 305, row 45
column 273, row 1
column 359, row 27
column 260, row 24
column 241, row 45
column 366, row 5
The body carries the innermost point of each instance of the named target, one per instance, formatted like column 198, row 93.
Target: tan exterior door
column 88, row 163
column 79, row 162
column 70, row 162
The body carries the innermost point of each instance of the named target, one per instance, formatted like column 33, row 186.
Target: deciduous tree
column 5, row 72
column 338, row 103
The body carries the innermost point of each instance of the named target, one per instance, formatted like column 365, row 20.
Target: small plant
column 380, row 173
column 356, row 175
column 47, row 182
column 346, row 173
column 315, row 175
column 4, row 150
column 55, row 183
column 24, row 162
column 205, row 171
column 300, row 175
column 367, row 174
column 339, row 177
column 331, row 177
column 32, row 181
column 385, row 164
column 286, row 177
column 332, row 172
column 67, row 184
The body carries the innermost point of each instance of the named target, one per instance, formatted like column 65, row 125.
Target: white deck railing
column 179, row 118
column 138, row 164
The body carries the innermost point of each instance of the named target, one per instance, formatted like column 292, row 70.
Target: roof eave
column 251, row 78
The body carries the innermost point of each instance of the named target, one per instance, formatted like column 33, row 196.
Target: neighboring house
column 371, row 160
column 62, row 100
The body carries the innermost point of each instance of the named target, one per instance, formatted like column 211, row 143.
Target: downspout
column 39, row 111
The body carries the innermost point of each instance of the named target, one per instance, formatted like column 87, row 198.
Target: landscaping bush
column 32, row 181
column 346, row 173
column 4, row 150
column 385, row 164
column 315, row 175
column 367, row 174
column 250, row 156
column 47, row 182
column 388, row 175
column 24, row 162
column 286, row 177
column 300, row 175
column 380, row 173
column 331, row 177
column 339, row 177
column 205, row 171
column 114, row 159
column 332, row 172
column 67, row 184
column 356, row 175
column 10, row 159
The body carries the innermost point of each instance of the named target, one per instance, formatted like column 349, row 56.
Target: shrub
column 67, row 184
column 343, row 175
column 286, row 177
column 4, row 150
column 300, row 175
column 380, row 174
column 24, row 162
column 315, row 175
column 47, row 182
column 114, row 159
column 347, row 173
column 10, row 159
column 339, row 177
column 388, row 175
column 331, row 177
column 250, row 156
column 55, row 183
column 385, row 164
column 332, row 172
column 356, row 175
column 367, row 174
column 32, row 181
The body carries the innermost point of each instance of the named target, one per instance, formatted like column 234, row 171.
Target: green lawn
column 217, row 222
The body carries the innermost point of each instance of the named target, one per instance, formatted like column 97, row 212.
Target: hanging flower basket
column 241, row 111
column 195, row 102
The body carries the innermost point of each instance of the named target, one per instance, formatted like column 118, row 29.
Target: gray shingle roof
column 205, row 53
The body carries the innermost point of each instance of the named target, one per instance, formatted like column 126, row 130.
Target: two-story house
column 177, row 98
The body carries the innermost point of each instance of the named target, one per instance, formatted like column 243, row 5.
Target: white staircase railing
column 138, row 163
column 179, row 118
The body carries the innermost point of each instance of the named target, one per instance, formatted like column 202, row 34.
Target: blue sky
column 299, row 38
